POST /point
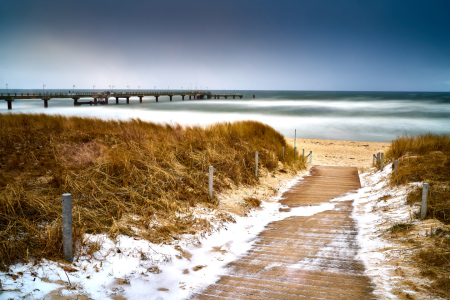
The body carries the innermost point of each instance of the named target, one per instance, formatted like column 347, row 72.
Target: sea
column 355, row 116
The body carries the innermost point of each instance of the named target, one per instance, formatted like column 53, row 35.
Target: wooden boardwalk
column 303, row 257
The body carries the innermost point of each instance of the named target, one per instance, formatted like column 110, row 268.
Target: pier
column 102, row 98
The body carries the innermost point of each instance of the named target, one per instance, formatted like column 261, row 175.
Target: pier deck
column 103, row 97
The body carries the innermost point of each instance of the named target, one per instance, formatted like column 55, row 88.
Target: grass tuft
column 400, row 227
column 252, row 202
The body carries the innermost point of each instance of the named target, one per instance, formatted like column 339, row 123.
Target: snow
column 142, row 270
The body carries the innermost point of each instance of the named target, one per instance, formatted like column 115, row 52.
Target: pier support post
column 234, row 96
column 128, row 100
column 46, row 103
column 182, row 97
column 170, row 98
column 95, row 101
column 190, row 97
column 156, row 98
column 9, row 104
column 106, row 100
column 117, row 100
column 67, row 226
column 75, row 101
column 140, row 99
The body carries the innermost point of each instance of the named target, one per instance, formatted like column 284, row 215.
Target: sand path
column 303, row 257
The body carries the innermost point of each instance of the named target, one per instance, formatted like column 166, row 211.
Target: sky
column 382, row 45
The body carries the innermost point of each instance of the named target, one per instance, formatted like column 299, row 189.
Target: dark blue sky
column 247, row 44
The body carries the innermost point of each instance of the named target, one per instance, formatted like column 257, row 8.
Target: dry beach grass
column 426, row 158
column 134, row 178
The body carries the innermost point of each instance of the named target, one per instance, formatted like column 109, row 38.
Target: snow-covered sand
column 136, row 269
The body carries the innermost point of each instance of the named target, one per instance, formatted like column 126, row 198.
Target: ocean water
column 358, row 116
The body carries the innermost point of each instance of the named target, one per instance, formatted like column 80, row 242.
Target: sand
column 339, row 153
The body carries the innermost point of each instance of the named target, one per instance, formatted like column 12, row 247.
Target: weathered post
column 295, row 138
column 256, row 163
column 210, row 185
column 378, row 158
column 382, row 162
column 303, row 154
column 67, row 226
column 310, row 157
column 283, row 154
column 295, row 153
column 374, row 158
column 396, row 167
column 423, row 210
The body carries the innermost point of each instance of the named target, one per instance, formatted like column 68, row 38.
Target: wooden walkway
column 303, row 257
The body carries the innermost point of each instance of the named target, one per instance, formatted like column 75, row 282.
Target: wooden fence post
column 256, row 163
column 283, row 153
column 67, row 226
column 374, row 158
column 396, row 167
column 295, row 153
column 310, row 157
column 382, row 162
column 303, row 154
column 423, row 210
column 210, row 183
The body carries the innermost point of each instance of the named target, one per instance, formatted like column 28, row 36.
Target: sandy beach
column 338, row 152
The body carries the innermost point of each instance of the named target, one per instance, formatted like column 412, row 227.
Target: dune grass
column 42, row 157
column 427, row 158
